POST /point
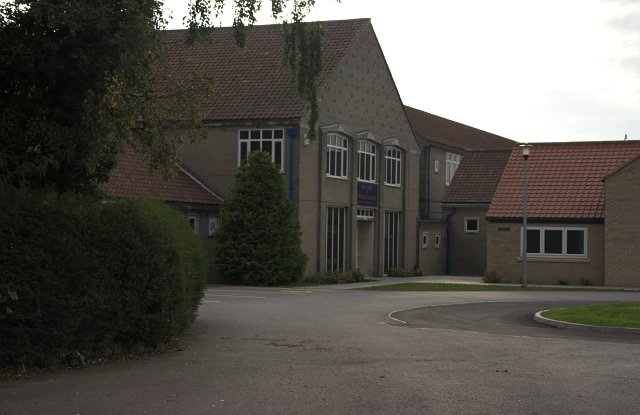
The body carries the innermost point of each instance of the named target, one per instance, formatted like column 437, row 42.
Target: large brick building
column 356, row 185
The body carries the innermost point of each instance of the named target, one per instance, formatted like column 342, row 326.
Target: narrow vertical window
column 453, row 161
column 337, row 156
column 366, row 161
column 393, row 166
column 194, row 222
column 391, row 240
column 336, row 239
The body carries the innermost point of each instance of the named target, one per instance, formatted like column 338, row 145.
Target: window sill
column 397, row 186
column 566, row 260
column 337, row 177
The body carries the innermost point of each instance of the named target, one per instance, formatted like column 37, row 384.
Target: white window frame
column 336, row 238
column 393, row 166
column 365, row 214
column 337, row 156
column 436, row 166
column 466, row 225
column 453, row 161
column 366, row 161
column 268, row 140
column 196, row 222
column 425, row 240
column 564, row 254
column 436, row 241
column 213, row 225
column 392, row 239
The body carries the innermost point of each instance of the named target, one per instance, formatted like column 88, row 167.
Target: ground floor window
column 336, row 239
column 471, row 225
column 391, row 240
column 556, row 242
column 194, row 222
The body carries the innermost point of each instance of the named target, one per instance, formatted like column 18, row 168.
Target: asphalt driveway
column 329, row 351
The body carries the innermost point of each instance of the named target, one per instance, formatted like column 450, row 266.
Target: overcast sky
column 529, row 70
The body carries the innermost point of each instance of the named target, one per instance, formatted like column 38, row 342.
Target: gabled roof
column 132, row 178
column 565, row 180
column 251, row 83
column 432, row 128
column 477, row 177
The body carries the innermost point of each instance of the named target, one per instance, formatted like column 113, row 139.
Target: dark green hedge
column 81, row 279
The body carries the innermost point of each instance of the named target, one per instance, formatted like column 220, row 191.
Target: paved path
column 335, row 351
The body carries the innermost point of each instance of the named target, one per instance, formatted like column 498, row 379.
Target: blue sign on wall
column 367, row 194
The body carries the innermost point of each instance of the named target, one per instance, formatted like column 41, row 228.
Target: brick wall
column 503, row 256
column 622, row 227
column 468, row 249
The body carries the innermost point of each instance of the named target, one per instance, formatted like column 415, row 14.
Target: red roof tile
column 433, row 128
column 565, row 180
column 251, row 83
column 131, row 178
column 477, row 177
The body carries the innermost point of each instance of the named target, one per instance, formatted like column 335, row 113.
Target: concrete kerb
column 577, row 326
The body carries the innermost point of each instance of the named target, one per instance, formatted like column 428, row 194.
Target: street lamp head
column 526, row 150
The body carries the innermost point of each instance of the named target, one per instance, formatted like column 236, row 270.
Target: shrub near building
column 81, row 279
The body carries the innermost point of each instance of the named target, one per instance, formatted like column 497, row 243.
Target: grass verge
column 428, row 286
column 612, row 315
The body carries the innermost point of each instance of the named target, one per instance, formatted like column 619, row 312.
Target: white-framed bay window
column 268, row 140
column 453, row 161
column 366, row 161
column 393, row 166
column 556, row 242
column 337, row 156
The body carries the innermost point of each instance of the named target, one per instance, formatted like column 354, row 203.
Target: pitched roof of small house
column 565, row 180
column 251, row 83
column 433, row 128
column 131, row 178
column 477, row 177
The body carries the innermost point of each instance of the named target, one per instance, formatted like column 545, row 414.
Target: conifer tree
column 259, row 236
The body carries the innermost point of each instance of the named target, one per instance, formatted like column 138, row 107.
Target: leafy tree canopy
column 77, row 81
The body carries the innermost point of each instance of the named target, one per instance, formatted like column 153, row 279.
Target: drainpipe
column 448, row 223
column 292, row 132
column 428, row 189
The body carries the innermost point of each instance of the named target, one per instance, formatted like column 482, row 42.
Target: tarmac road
column 329, row 351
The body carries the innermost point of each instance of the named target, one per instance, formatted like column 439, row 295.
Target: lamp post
column 526, row 151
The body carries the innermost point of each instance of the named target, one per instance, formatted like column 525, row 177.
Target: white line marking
column 434, row 305
column 236, row 296
column 261, row 291
column 211, row 301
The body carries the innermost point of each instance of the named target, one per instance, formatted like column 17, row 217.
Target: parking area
column 336, row 351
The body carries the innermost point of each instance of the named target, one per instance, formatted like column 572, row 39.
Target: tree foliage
column 77, row 81
column 81, row 279
column 259, row 235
